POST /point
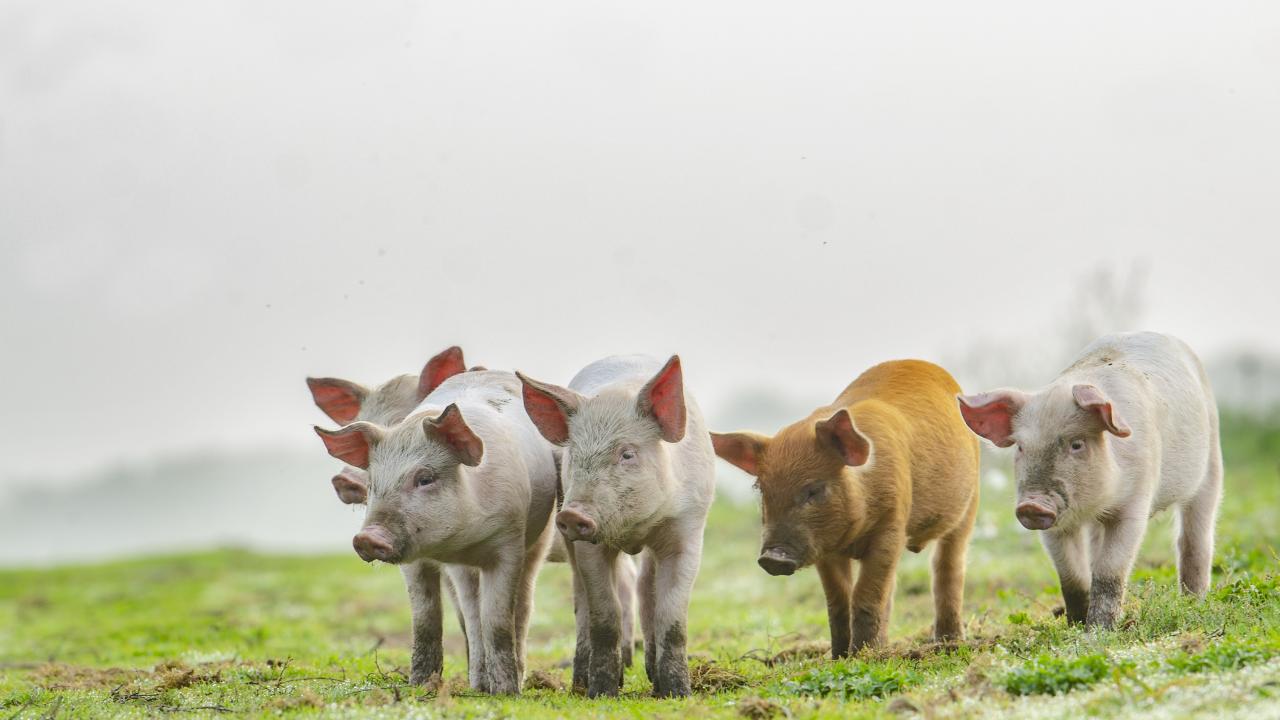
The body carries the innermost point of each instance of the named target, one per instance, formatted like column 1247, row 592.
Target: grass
column 233, row 632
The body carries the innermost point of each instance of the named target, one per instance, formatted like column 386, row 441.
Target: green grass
column 231, row 632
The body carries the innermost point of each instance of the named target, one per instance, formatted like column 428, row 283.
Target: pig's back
column 614, row 370
column 1160, row 389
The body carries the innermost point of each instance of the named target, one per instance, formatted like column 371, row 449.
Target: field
column 233, row 632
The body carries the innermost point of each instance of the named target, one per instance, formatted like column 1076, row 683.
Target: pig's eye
column 424, row 477
column 814, row 492
column 1076, row 445
column 627, row 455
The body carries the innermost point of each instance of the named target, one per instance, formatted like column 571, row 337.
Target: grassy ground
column 235, row 632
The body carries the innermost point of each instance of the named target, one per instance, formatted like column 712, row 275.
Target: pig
column 638, row 477
column 1128, row 430
column 466, row 482
column 889, row 464
column 387, row 404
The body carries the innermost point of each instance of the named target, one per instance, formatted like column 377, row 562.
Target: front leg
column 466, row 590
column 1111, row 568
column 1070, row 554
column 582, row 622
column 595, row 564
column 675, row 575
column 837, row 583
column 499, row 586
column 422, row 579
column 873, row 593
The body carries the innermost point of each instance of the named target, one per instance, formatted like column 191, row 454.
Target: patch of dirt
column 543, row 680
column 799, row 652
column 60, row 676
column 757, row 708
column 711, row 678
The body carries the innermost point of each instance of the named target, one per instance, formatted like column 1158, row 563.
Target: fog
column 202, row 203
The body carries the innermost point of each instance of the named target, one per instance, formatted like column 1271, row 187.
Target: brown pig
column 890, row 464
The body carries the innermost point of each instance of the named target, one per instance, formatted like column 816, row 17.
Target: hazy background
column 201, row 203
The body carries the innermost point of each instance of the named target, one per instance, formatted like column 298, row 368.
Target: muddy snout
column 777, row 561
column 575, row 524
column 1036, row 513
column 374, row 543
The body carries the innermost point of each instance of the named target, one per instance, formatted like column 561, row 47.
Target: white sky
column 203, row 202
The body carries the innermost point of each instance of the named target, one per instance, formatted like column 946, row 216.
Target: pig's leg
column 1111, row 567
column 1195, row 529
column 466, row 584
column 836, row 572
column 948, row 577
column 604, row 672
column 626, row 582
column 873, row 592
column 499, row 585
column 524, row 594
column 582, row 622
column 457, row 607
column 645, row 599
column 675, row 575
column 1070, row 555
column 423, row 582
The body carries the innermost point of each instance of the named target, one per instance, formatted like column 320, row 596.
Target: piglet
column 1129, row 429
column 464, row 481
column 888, row 465
column 638, row 477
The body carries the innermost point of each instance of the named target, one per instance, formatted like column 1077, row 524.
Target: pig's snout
column 777, row 561
column 576, row 525
column 1036, row 514
column 374, row 543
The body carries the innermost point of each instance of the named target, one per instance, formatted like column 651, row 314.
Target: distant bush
column 1048, row 675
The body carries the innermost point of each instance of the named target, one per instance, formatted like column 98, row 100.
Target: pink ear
column 663, row 398
column 549, row 407
column 1090, row 398
column 838, row 432
column 438, row 369
column 339, row 399
column 454, row 430
column 744, row 450
column 990, row 415
column 350, row 444
column 350, row 486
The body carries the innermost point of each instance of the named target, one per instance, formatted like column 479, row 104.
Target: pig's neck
column 855, row 498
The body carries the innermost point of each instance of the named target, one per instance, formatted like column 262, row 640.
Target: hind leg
column 626, row 579
column 1196, row 520
column 948, row 576
column 645, row 601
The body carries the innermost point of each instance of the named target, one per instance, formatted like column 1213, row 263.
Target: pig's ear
column 351, row 444
column 990, row 414
column 453, row 429
column 743, row 449
column 662, row 398
column 839, row 433
column 339, row 399
column 438, row 369
column 1093, row 400
column 350, row 486
column 549, row 407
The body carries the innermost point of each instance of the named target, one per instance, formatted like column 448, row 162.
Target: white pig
column 465, row 481
column 638, row 477
column 1131, row 428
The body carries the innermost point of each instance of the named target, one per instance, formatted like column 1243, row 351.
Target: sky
column 201, row 203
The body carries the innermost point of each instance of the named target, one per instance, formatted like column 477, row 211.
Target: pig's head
column 616, row 472
column 1063, row 462
column 417, row 481
column 804, row 475
column 347, row 402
